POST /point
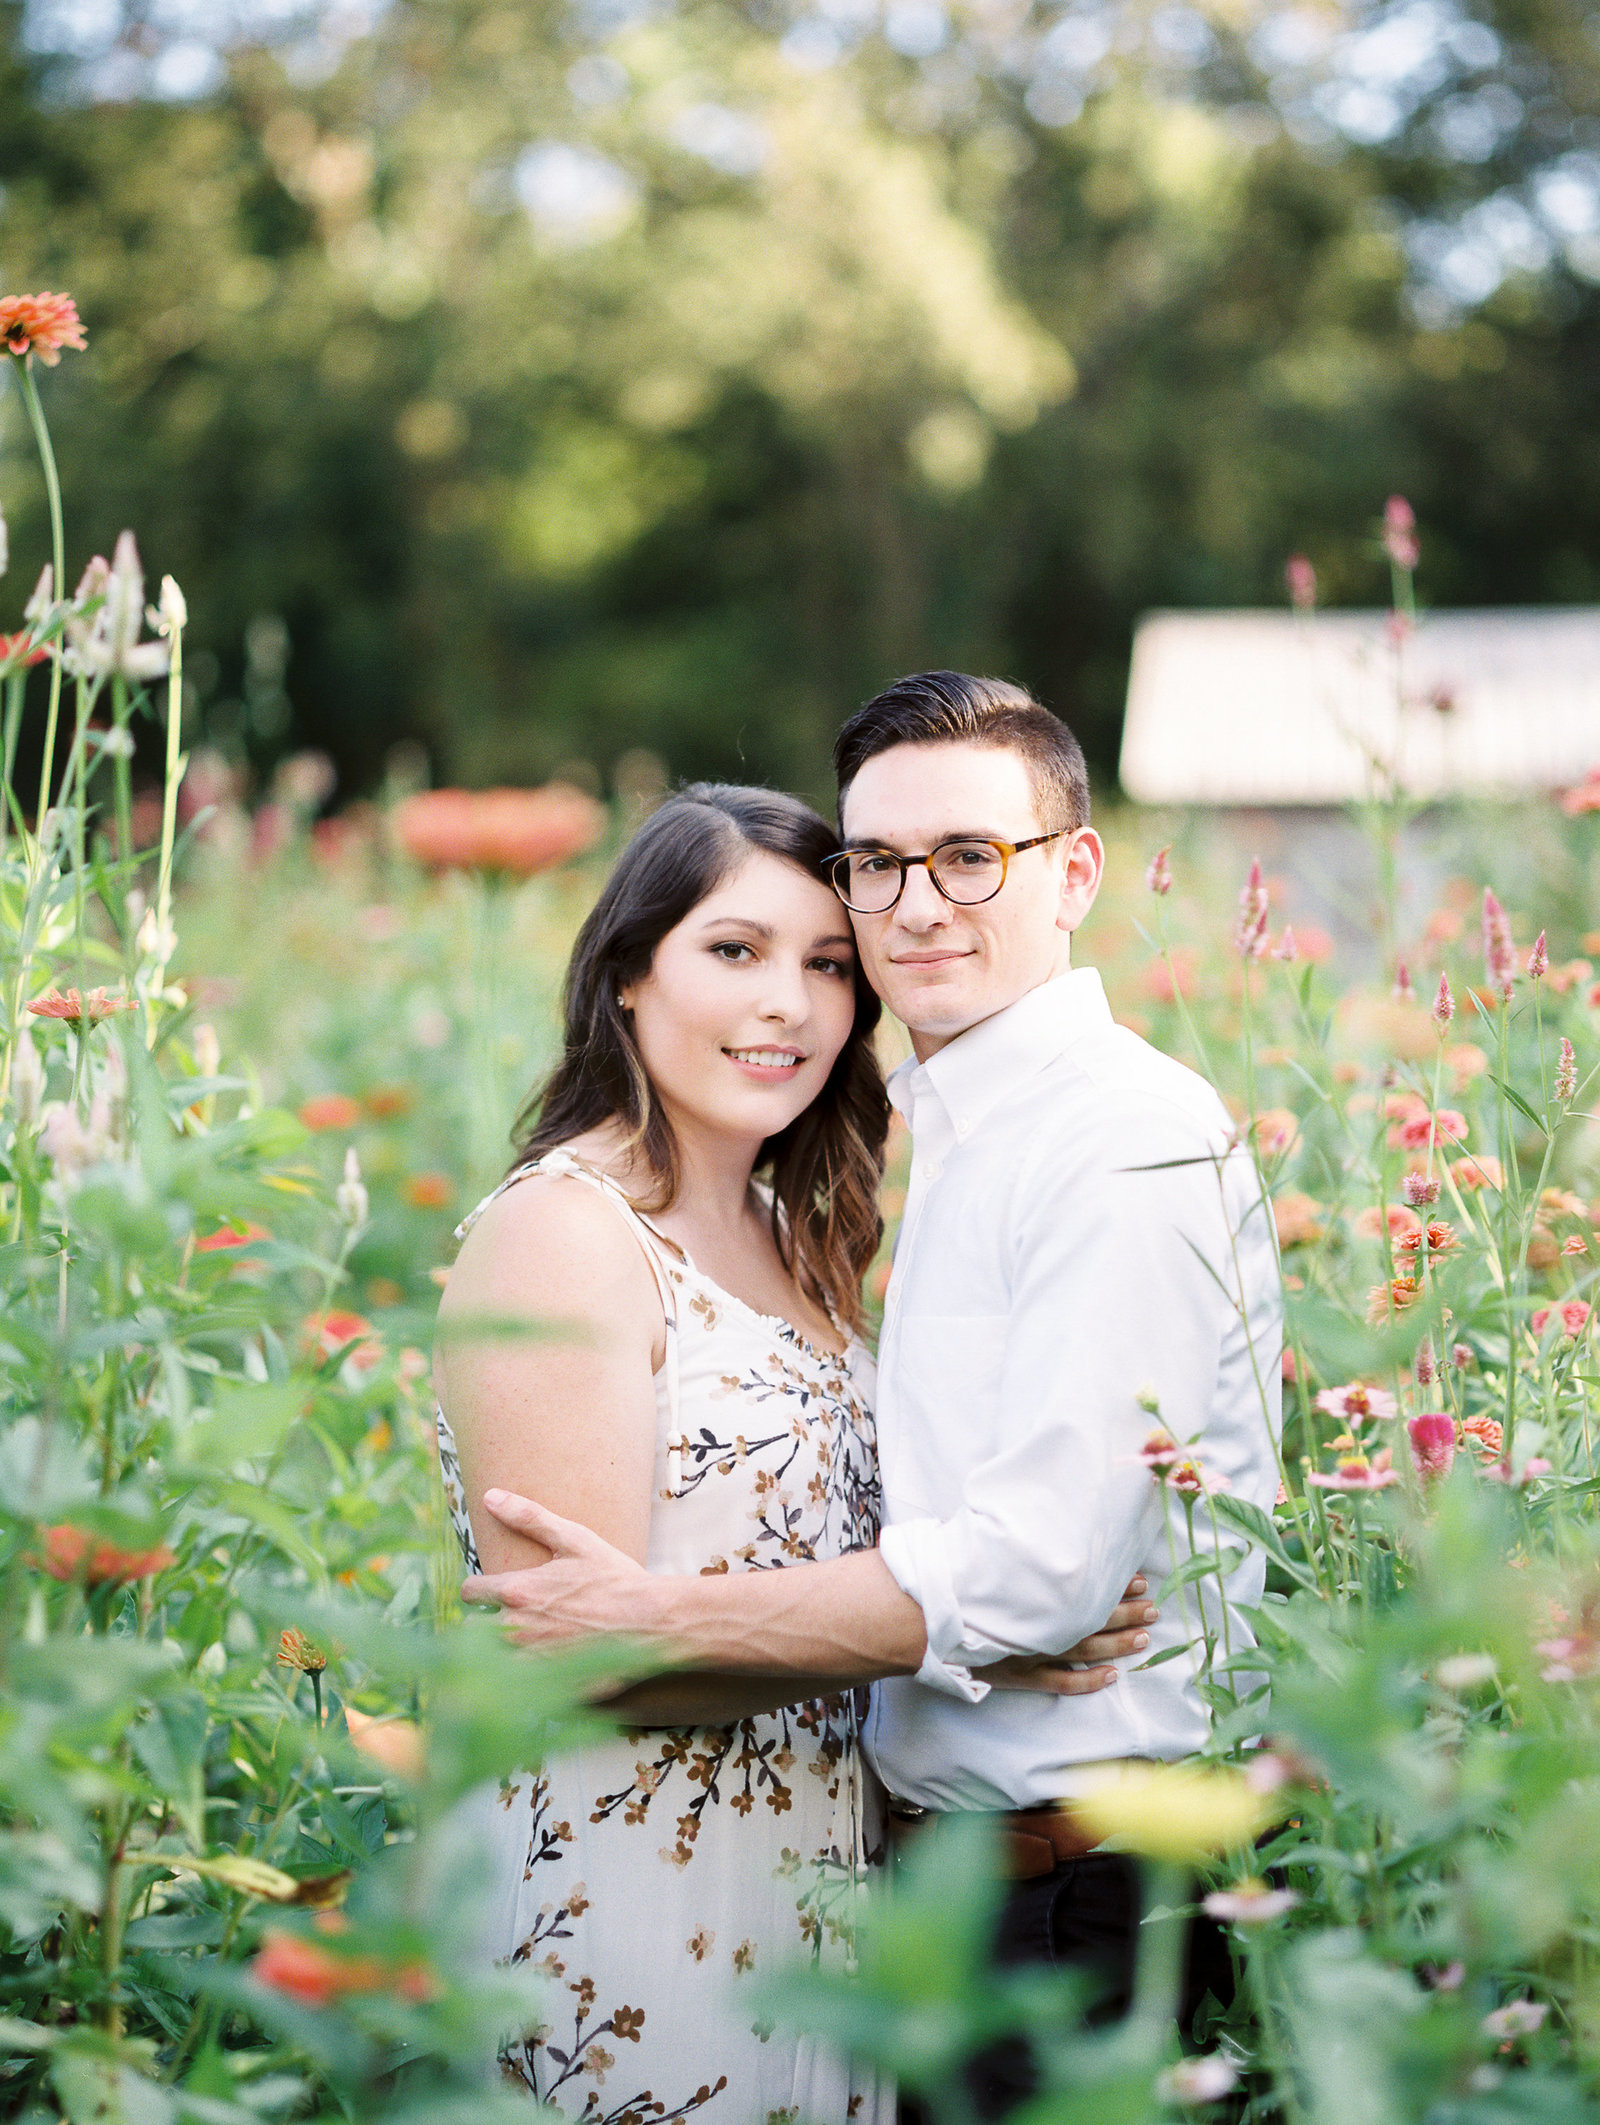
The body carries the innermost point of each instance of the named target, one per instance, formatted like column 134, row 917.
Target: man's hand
column 588, row 1589
column 1075, row 1672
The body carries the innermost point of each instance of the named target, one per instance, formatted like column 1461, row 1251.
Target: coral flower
column 332, row 1332
column 70, row 1554
column 331, row 1110
column 1275, row 1132
column 1298, row 1219
column 396, row 1744
column 1433, row 1443
column 17, row 652
column 514, row 832
column 1486, row 1434
column 1441, row 1239
column 1574, row 1318
column 1418, row 1131
column 1396, row 1216
column 1354, row 1403
column 75, row 1010
column 388, row 1102
column 1584, row 797
column 1478, row 1170
column 428, row 1191
column 317, row 1976
column 40, row 324
column 296, row 1650
column 219, row 1242
column 1382, row 1299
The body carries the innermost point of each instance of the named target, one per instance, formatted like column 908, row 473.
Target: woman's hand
column 1077, row 1672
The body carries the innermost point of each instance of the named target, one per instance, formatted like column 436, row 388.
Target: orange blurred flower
column 1395, row 1296
column 429, row 1191
column 216, row 1242
column 1275, row 1131
column 1399, row 1219
column 1163, row 982
column 513, row 831
column 1478, row 1171
column 17, row 651
column 331, row 1110
column 1584, row 796
column 332, row 1332
column 296, row 1650
column 40, row 324
column 385, row 1102
column 70, row 1554
column 74, row 1009
column 394, row 1743
column 1299, row 1219
column 318, row 1976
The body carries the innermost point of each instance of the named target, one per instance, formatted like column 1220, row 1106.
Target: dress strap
column 651, row 1242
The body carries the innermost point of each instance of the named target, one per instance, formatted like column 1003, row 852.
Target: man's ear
column 1081, row 873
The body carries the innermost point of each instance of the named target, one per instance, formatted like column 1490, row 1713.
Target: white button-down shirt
column 1077, row 1238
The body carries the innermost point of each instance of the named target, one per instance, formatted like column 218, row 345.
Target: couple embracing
column 718, row 1470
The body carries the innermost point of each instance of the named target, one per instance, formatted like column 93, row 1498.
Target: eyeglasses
column 870, row 881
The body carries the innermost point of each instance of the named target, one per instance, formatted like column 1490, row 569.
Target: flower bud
column 1301, row 578
column 1158, row 877
column 350, row 1197
column 1538, row 959
column 1444, row 1004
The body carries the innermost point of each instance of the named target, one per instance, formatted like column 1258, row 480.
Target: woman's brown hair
column 826, row 1166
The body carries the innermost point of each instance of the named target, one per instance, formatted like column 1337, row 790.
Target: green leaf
column 97, row 2090
column 1519, row 1103
column 1202, row 1565
column 248, row 1418
column 1245, row 1515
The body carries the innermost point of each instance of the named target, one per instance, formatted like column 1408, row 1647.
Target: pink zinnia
column 1585, row 797
column 1356, row 1402
column 40, row 324
column 1574, row 1318
column 1433, row 1443
column 1358, row 1473
column 1423, row 1130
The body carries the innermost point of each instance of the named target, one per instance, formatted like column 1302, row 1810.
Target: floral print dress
column 651, row 1876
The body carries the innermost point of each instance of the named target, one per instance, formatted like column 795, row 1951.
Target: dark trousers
column 1083, row 1916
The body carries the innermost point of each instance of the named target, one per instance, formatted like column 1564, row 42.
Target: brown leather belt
column 1035, row 1841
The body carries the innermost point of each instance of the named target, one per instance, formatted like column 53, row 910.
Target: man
column 1084, row 1246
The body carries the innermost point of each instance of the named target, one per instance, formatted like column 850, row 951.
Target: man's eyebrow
column 954, row 833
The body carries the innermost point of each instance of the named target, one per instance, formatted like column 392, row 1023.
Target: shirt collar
column 981, row 1066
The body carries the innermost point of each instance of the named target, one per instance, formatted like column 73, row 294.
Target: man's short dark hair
column 952, row 708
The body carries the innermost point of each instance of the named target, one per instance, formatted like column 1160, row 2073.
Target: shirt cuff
column 914, row 1553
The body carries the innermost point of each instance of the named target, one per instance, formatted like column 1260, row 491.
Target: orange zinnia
column 428, row 1191
column 511, row 831
column 17, row 651
column 331, row 1332
column 214, row 1242
column 331, row 1110
column 69, row 1554
column 40, row 324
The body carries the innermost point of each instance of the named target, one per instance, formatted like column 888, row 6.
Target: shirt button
column 962, row 1125
column 930, row 1169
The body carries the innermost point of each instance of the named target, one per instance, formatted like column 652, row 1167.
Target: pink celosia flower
column 1462, row 1357
column 1444, row 1004
column 1400, row 533
column 1355, row 1402
column 1499, row 956
column 1301, row 578
column 1448, row 1979
column 1249, row 1903
column 1158, row 877
column 1571, row 1659
column 1419, row 1191
column 1433, row 1443
column 1286, row 948
column 1358, row 1473
column 1425, row 1369
column 1403, row 990
column 1289, row 1369
column 1250, row 927
column 1538, row 959
column 1567, row 1073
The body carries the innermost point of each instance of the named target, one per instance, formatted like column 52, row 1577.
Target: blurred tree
column 546, row 382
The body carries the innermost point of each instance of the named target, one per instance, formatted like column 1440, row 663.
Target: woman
column 713, row 1413
column 710, row 1411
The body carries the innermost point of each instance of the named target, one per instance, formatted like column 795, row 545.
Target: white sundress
column 649, row 1875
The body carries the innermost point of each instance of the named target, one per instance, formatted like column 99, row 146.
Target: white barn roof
column 1268, row 708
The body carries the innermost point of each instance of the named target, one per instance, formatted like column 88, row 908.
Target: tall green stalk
column 58, row 550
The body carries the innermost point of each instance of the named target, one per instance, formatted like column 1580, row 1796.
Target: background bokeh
column 619, row 386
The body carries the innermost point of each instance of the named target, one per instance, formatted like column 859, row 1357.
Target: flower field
column 256, row 1065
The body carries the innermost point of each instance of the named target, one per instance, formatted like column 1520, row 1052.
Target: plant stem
column 58, row 551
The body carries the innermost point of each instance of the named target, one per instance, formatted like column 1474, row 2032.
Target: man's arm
column 811, row 1627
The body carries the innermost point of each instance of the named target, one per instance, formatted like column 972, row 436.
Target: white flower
column 174, row 613
column 108, row 641
column 38, row 606
column 1516, row 2018
column 206, row 1050
column 1197, row 2080
column 1249, row 1903
column 71, row 1145
column 5, row 545
column 27, row 1079
column 117, row 744
column 1464, row 1671
column 350, row 1197
column 156, row 940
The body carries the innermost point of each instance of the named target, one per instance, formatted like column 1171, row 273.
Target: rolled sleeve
column 918, row 1560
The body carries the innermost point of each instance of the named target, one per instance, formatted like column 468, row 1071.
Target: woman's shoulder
column 552, row 1233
